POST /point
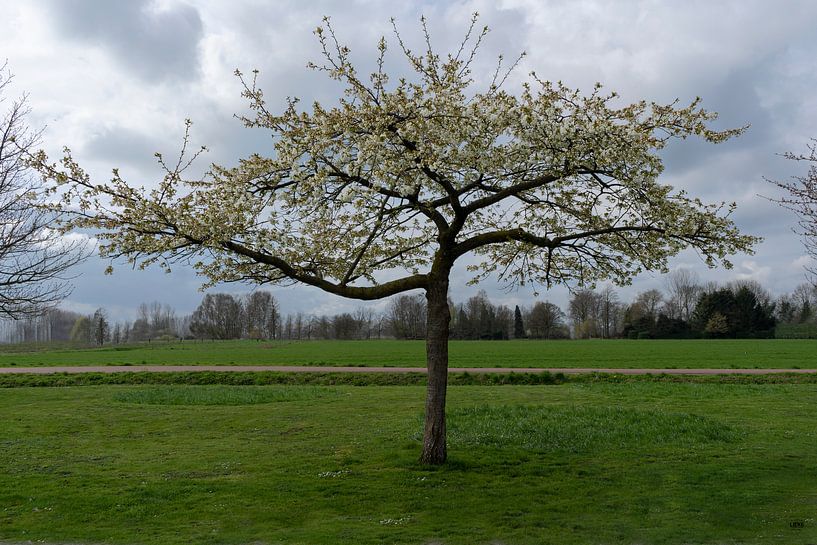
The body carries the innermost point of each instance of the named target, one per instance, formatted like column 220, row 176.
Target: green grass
column 744, row 353
column 219, row 395
column 574, row 463
column 575, row 428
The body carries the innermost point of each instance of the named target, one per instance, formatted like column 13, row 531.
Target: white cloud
column 801, row 262
column 52, row 239
column 752, row 270
column 75, row 238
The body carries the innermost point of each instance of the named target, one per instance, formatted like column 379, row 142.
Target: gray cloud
column 156, row 43
column 125, row 148
column 736, row 100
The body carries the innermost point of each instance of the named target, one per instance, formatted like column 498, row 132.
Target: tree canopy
column 552, row 186
column 382, row 192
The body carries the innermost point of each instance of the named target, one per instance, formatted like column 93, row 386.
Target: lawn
column 574, row 463
column 775, row 353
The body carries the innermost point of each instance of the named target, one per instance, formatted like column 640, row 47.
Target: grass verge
column 377, row 379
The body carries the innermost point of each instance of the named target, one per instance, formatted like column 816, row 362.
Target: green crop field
column 629, row 463
column 775, row 353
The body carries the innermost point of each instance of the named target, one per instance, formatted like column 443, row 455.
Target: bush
column 795, row 331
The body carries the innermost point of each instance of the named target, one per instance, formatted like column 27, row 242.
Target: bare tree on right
column 801, row 197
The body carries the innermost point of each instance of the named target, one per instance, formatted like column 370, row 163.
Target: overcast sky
column 115, row 80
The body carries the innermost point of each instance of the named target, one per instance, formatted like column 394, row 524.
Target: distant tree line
column 154, row 321
column 686, row 308
column 690, row 309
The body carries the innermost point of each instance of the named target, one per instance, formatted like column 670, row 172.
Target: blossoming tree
column 384, row 191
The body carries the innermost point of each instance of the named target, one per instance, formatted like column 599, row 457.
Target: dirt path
column 316, row 369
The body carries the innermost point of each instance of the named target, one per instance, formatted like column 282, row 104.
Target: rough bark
column 437, row 326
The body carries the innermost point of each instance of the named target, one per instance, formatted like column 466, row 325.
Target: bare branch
column 801, row 198
column 34, row 257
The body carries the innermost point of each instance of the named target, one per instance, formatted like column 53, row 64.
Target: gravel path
column 317, row 369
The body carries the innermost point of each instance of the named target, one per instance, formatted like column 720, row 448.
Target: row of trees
column 477, row 318
column 153, row 321
column 686, row 308
column 689, row 308
column 258, row 316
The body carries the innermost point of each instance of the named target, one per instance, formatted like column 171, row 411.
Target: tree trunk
column 437, row 325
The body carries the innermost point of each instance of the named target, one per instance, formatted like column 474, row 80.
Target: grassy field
column 629, row 463
column 778, row 353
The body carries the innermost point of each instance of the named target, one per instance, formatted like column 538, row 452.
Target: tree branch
column 416, row 281
column 515, row 189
